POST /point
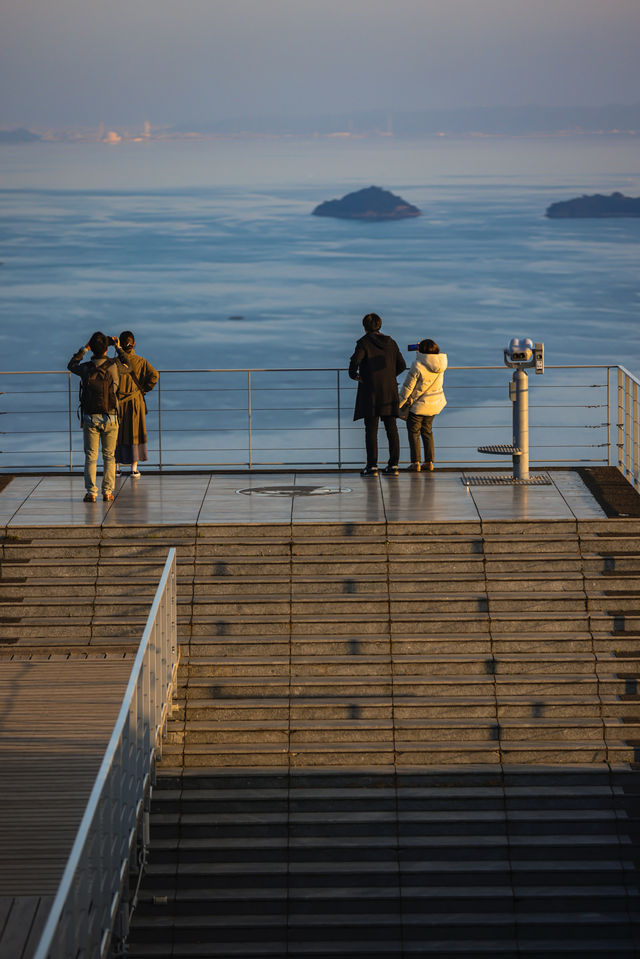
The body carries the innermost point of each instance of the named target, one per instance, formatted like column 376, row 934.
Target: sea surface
column 207, row 250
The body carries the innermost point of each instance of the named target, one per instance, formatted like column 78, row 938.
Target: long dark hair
column 127, row 341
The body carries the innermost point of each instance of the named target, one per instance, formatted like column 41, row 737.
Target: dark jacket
column 377, row 362
column 117, row 364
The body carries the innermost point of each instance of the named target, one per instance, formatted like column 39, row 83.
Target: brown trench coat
column 131, row 397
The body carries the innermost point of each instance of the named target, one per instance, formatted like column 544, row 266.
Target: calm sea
column 209, row 253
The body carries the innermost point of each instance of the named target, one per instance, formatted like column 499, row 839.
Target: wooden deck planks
column 56, row 719
column 22, row 919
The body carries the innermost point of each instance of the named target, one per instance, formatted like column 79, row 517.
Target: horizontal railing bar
column 351, row 464
column 322, row 369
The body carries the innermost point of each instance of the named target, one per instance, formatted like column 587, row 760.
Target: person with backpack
column 135, row 382
column 99, row 380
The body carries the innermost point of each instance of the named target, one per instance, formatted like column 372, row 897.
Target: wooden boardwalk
column 56, row 718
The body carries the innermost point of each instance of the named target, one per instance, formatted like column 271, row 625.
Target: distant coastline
column 595, row 206
column 615, row 120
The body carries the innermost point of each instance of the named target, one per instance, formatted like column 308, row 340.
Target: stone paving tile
column 427, row 496
column 224, row 504
column 519, row 502
column 57, row 501
column 14, row 495
column 158, row 500
column 577, row 495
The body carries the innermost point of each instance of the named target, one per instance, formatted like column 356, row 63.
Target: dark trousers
column 420, row 426
column 371, row 439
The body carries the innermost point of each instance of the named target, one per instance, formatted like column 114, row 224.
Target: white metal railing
column 627, row 444
column 85, row 908
column 272, row 418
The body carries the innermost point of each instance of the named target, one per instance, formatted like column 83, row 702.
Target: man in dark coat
column 375, row 364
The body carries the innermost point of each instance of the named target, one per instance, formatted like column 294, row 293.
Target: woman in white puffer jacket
column 422, row 391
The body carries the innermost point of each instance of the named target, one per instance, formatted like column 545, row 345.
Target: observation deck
column 385, row 684
column 407, row 713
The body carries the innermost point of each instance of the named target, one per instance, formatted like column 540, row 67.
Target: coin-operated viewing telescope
column 521, row 354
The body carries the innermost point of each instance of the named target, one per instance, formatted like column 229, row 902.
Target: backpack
column 98, row 390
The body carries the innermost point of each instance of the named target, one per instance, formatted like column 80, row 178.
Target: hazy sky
column 126, row 61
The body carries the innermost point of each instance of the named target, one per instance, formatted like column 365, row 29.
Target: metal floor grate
column 542, row 479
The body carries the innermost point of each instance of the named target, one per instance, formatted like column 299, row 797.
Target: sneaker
column 136, row 474
column 89, row 498
column 369, row 471
column 390, row 471
column 414, row 468
column 107, row 497
column 428, row 466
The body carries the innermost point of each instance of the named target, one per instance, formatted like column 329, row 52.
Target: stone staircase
column 398, row 740
column 388, row 739
column 410, row 645
column 440, row 862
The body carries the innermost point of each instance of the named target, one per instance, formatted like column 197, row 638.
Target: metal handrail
column 84, row 910
column 258, row 421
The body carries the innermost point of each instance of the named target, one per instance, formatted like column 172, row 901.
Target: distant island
column 595, row 206
column 19, row 136
column 372, row 203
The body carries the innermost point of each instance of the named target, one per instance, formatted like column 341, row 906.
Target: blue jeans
column 100, row 430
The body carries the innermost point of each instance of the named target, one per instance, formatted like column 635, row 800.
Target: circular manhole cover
column 293, row 490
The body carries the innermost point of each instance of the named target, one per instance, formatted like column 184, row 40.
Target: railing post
column 609, row 416
column 634, row 426
column 620, row 418
column 70, row 423
column 160, row 422
column 249, row 418
column 339, row 411
column 627, row 427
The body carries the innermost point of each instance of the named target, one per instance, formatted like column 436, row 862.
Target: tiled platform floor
column 162, row 499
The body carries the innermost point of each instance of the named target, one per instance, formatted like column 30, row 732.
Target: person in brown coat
column 375, row 364
column 140, row 378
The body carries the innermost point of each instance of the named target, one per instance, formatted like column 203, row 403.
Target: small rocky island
column 597, row 205
column 372, row 203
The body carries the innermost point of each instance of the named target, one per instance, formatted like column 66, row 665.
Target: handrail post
column 620, row 418
column 609, row 416
column 627, row 427
column 160, row 421
column 249, row 418
column 339, row 411
column 70, row 423
column 634, row 426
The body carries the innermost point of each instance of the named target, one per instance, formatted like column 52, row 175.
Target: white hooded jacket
column 422, row 387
